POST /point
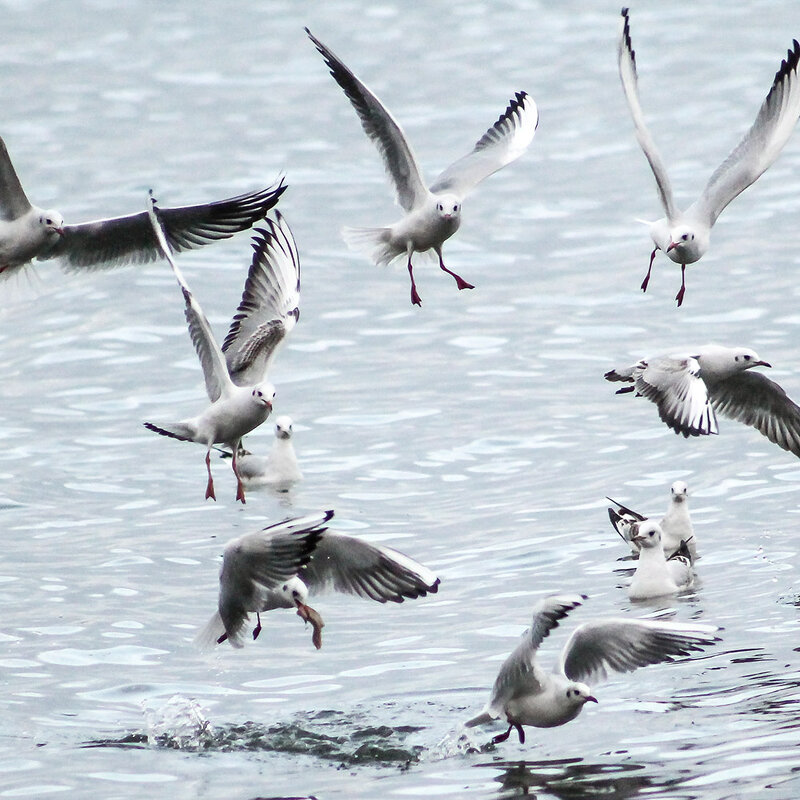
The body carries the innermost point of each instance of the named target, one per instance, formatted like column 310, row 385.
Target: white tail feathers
column 375, row 242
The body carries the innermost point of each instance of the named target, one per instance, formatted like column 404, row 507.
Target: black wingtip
column 788, row 65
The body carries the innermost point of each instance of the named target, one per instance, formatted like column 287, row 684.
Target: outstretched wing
column 130, row 239
column 760, row 146
column 626, row 58
column 270, row 304
column 381, row 127
column 13, row 201
column 503, row 143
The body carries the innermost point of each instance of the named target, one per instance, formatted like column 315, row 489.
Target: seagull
column 688, row 389
column 432, row 214
column 524, row 694
column 235, row 374
column 279, row 469
column 28, row 232
column 655, row 574
column 338, row 562
column 676, row 524
column 684, row 235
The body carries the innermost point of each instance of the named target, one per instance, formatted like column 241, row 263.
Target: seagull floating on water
column 524, row 694
column 689, row 388
column 676, row 524
column 433, row 214
column 684, row 235
column 235, row 374
column 336, row 562
column 657, row 575
column 28, row 232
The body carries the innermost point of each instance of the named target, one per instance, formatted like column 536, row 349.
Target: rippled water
column 476, row 433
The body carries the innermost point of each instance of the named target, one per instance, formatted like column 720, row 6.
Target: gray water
column 476, row 433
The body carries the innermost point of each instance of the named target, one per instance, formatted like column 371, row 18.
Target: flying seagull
column 28, row 232
column 432, row 214
column 235, row 374
column 337, row 562
column 688, row 389
column 684, row 235
column 524, row 694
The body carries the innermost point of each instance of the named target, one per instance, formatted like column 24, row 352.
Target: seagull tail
column 208, row 637
column 177, row 430
column 375, row 242
column 481, row 719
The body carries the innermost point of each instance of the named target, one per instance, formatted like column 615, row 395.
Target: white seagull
column 28, row 232
column 235, row 374
column 338, row 562
column 280, row 468
column 524, row 694
column 689, row 388
column 657, row 575
column 676, row 524
column 684, row 235
column 432, row 214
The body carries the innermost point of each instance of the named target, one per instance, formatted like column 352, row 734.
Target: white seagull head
column 686, row 245
column 448, row 206
column 283, row 427
column 647, row 534
column 679, row 491
column 578, row 694
column 264, row 394
column 52, row 222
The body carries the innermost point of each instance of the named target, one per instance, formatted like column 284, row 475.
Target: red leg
column 682, row 290
column 501, row 737
column 239, row 484
column 460, row 282
column 210, row 485
column 415, row 298
column 257, row 628
column 649, row 269
column 222, row 638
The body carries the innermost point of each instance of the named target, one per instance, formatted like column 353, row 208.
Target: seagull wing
column 623, row 645
column 627, row 72
column 13, row 201
column 353, row 566
column 503, row 143
column 675, row 386
column 270, row 304
column 122, row 240
column 256, row 562
column 215, row 371
column 754, row 399
column 761, row 144
column 381, row 127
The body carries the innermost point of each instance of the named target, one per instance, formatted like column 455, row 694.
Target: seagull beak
column 672, row 246
column 762, row 364
column 59, row 231
column 591, row 699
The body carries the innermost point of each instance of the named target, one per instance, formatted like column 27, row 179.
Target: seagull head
column 685, row 245
column 647, row 534
column 295, row 591
column 448, row 207
column 578, row 694
column 283, row 427
column 745, row 358
column 679, row 491
column 264, row 394
column 52, row 222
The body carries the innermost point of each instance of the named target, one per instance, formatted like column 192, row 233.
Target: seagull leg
column 682, row 290
column 257, row 628
column 210, row 484
column 415, row 298
column 501, row 737
column 521, row 733
column 649, row 269
column 308, row 614
column 460, row 282
column 222, row 638
column 234, row 464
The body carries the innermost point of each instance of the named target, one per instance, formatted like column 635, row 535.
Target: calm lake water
column 476, row 433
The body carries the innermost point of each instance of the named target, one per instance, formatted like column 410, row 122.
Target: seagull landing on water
column 235, row 374
column 337, row 562
column 688, row 389
column 432, row 214
column 524, row 694
column 28, row 232
column 676, row 524
column 684, row 235
column 656, row 575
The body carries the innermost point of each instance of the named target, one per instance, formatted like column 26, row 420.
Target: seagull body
column 28, row 232
column 689, row 388
column 433, row 214
column 280, row 468
column 339, row 563
column 676, row 524
column 684, row 235
column 524, row 694
column 657, row 575
column 235, row 374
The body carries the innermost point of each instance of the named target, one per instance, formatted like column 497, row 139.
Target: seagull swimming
column 235, row 374
column 676, row 524
column 280, row 468
column 338, row 562
column 688, row 389
column 684, row 235
column 524, row 694
column 432, row 214
column 28, row 232
column 657, row 575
